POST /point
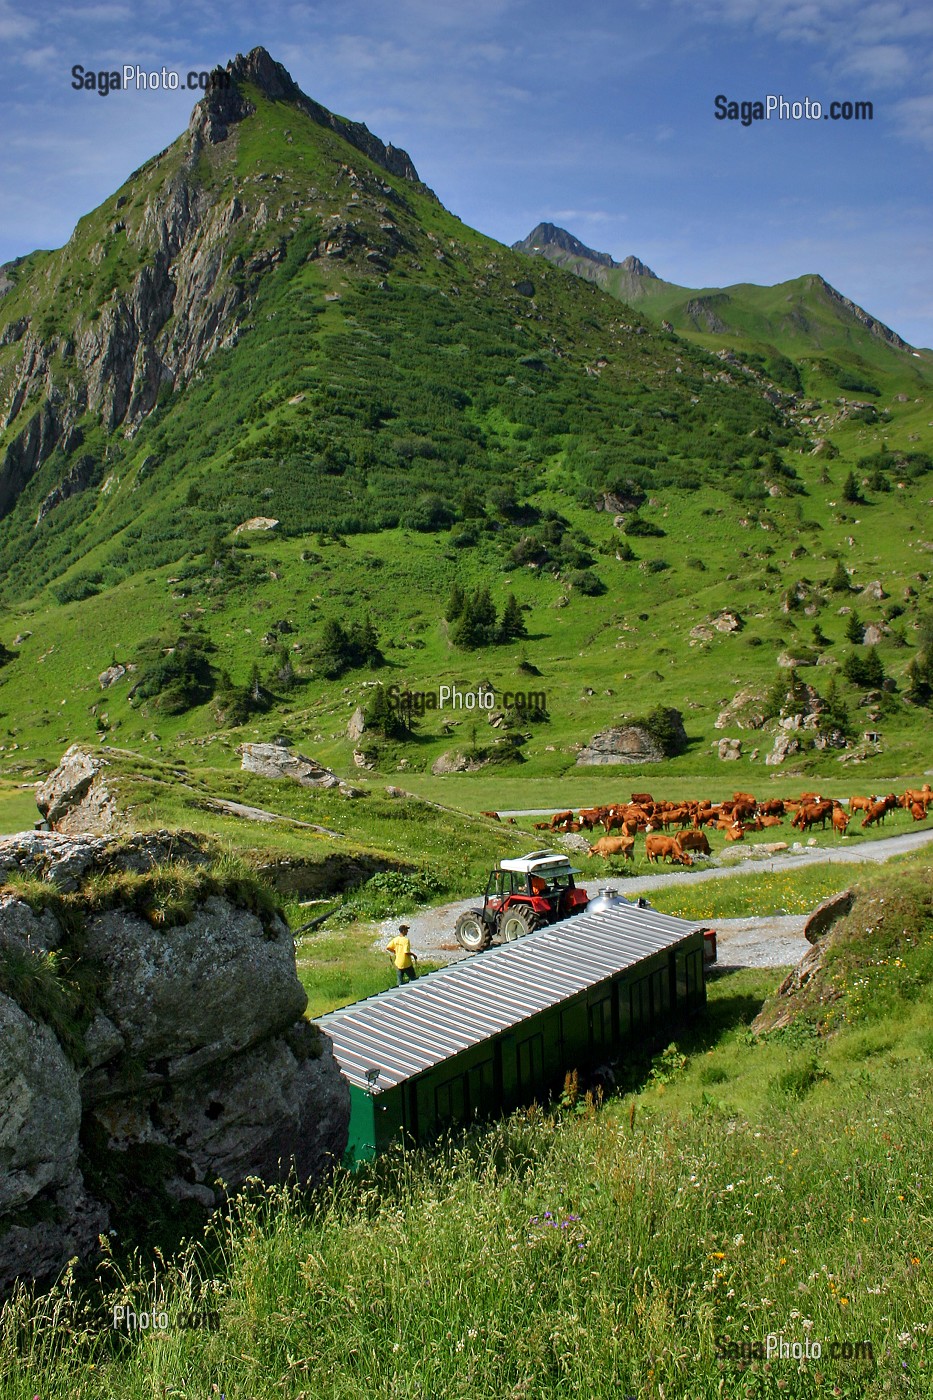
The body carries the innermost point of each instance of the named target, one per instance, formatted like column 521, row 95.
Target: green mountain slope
column 275, row 321
column 832, row 343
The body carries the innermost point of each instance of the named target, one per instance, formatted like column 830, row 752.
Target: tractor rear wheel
column 473, row 933
column 515, row 923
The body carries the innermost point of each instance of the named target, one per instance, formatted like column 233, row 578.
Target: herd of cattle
column 734, row 817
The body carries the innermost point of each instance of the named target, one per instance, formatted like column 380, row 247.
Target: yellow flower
column 844, row 1302
column 720, row 1255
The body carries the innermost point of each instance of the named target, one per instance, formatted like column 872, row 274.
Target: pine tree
column 454, row 603
column 850, row 490
column 512, row 626
column 333, row 653
column 839, row 583
column 835, row 714
column 855, row 629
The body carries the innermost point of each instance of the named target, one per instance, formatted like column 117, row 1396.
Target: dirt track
column 771, row 941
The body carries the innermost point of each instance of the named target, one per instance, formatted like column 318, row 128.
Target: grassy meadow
column 734, row 1185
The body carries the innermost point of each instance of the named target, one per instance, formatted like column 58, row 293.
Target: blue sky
column 594, row 115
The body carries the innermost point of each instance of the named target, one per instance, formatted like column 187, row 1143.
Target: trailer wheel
column 472, row 931
column 517, row 922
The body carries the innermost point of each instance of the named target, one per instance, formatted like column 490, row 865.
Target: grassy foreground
column 741, row 1185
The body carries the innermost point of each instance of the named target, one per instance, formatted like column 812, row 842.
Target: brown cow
column 589, row 816
column 918, row 811
column 736, row 832
column 667, row 847
column 694, row 841
column 771, row 821
column 608, row 846
column 875, row 814
column 860, row 804
column 494, row 816
column 840, row 821
column 640, row 798
column 812, row 812
column 560, row 820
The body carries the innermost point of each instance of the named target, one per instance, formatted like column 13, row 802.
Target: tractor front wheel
column 515, row 923
column 473, row 933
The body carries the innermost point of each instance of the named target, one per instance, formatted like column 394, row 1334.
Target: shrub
column 175, row 676
column 587, row 583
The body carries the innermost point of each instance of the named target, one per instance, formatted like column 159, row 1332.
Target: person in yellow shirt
column 405, row 959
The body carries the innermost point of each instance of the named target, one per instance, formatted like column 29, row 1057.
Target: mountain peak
column 546, row 240
column 227, row 103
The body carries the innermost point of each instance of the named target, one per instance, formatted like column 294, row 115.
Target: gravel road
column 770, row 941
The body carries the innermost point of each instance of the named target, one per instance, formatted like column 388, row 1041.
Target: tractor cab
column 522, row 893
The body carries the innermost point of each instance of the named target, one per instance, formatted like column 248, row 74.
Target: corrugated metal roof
column 406, row 1030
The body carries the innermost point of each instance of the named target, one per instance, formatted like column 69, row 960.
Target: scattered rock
column 356, row 726
column 730, row 749
column 113, row 673
column 874, row 591
column 256, row 522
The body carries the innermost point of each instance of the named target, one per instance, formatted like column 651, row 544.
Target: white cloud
column 13, row 25
column 915, row 116
column 882, row 64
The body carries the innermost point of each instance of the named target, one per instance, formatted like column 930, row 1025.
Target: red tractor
column 522, row 894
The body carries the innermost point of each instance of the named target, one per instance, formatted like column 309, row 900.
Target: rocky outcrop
column 277, row 760
column 744, row 711
column 729, row 749
column 75, row 796
column 785, row 746
column 182, row 1038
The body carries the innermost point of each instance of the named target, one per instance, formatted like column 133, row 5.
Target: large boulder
column 627, row 744
column 41, row 1109
column 183, row 1040
column 632, row 744
column 279, row 761
column 75, row 796
column 182, row 998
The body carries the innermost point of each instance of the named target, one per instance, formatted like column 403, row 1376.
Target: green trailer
column 502, row 1029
